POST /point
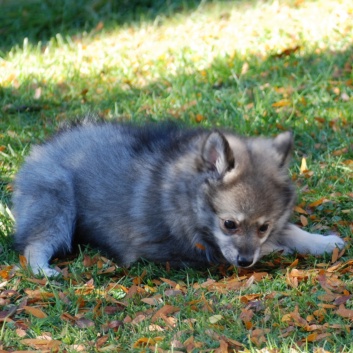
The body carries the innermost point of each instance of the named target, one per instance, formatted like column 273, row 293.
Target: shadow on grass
column 41, row 20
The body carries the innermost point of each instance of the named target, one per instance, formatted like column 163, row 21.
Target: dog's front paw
column 45, row 271
column 327, row 243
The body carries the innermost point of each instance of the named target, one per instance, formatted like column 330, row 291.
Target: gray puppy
column 162, row 193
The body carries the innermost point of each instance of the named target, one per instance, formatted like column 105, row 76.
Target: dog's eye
column 230, row 225
column 264, row 228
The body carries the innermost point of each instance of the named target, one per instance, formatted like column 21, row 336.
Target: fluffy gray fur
column 163, row 193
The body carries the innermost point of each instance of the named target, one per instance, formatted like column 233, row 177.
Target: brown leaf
column 340, row 152
column 172, row 292
column 199, row 118
column 20, row 332
column 89, row 261
column 312, row 337
column 131, row 292
column 164, row 311
column 139, row 279
column 138, row 318
column 298, row 320
column 282, row 103
column 334, row 255
column 246, row 315
column 298, row 209
column 170, row 282
column 107, row 270
column 150, row 301
column 41, row 281
column 35, row 312
column 39, row 343
column 190, row 344
column 6, row 314
column 318, row 202
column 258, row 336
column 232, row 343
column 101, row 341
column 112, row 325
column 303, row 220
column 294, row 263
column 287, row 52
column 223, row 347
column 215, row 336
column 64, row 298
column 76, row 348
column 292, row 281
column 344, row 312
column 320, row 120
column 38, row 294
column 155, row 327
column 249, row 297
column 342, row 299
column 23, row 261
column 99, row 26
column 147, row 341
column 328, row 297
column 84, row 323
column 68, row 317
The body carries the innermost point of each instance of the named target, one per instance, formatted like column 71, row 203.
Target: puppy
column 160, row 192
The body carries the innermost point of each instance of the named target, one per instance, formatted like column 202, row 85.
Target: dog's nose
column 244, row 261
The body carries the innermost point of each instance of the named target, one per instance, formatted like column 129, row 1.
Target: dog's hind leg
column 45, row 212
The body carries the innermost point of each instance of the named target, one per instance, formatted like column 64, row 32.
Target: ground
column 257, row 67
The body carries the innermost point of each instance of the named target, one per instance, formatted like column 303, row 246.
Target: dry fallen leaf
column 335, row 253
column 147, row 341
column 138, row 319
column 344, row 312
column 282, row 103
column 303, row 167
column 151, row 301
column 35, row 312
column 39, row 343
column 287, row 52
column 23, row 261
column 303, row 220
column 298, row 209
column 164, row 311
column 215, row 318
column 318, row 202
column 84, row 323
column 223, row 347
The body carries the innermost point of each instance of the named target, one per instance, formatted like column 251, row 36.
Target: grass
column 252, row 66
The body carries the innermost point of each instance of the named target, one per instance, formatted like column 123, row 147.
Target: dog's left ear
column 217, row 154
column 283, row 145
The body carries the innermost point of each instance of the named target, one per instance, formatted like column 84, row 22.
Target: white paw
column 45, row 271
column 326, row 243
column 38, row 259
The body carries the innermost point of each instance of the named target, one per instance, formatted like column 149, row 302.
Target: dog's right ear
column 217, row 154
column 283, row 145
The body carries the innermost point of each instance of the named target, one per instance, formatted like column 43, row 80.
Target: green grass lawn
column 257, row 67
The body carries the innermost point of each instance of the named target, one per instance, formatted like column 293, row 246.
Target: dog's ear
column 283, row 145
column 217, row 154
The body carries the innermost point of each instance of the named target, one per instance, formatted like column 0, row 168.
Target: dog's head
column 249, row 191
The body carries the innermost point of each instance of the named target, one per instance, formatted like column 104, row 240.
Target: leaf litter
column 331, row 296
